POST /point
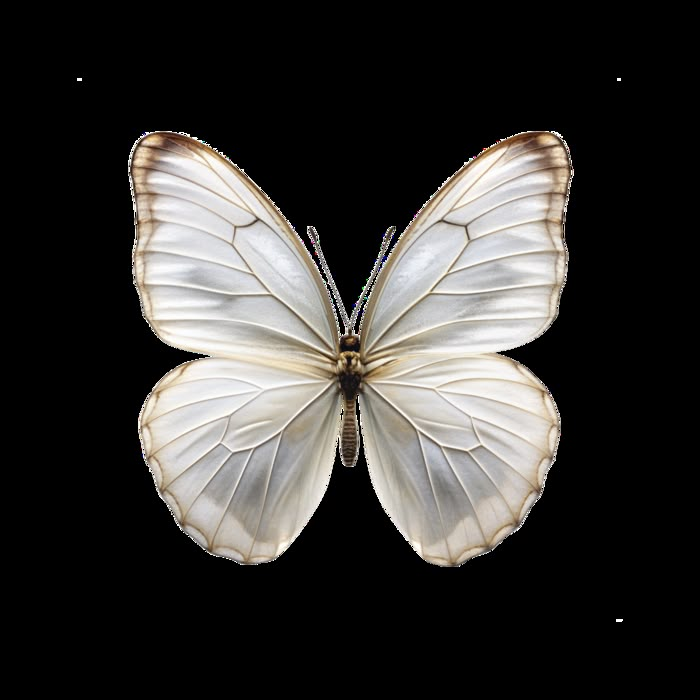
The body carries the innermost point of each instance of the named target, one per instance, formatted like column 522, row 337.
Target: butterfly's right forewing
column 218, row 269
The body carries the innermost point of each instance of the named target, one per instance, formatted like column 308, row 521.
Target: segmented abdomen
column 349, row 436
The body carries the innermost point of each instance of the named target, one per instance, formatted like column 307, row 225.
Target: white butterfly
column 458, row 440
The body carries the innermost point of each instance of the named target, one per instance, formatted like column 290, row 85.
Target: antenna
column 316, row 242
column 386, row 242
column 349, row 323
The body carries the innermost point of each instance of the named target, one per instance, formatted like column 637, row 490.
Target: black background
column 352, row 161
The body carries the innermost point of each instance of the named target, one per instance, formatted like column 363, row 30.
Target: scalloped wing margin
column 241, row 452
column 458, row 449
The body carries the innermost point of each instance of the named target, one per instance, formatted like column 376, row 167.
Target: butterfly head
column 350, row 343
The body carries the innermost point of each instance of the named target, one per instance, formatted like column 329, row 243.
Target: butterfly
column 457, row 438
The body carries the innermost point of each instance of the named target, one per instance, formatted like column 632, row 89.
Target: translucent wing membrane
column 218, row 268
column 458, row 444
column 481, row 267
column 241, row 448
column 242, row 452
column 457, row 448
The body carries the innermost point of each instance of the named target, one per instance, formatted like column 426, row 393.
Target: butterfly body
column 458, row 438
column 350, row 373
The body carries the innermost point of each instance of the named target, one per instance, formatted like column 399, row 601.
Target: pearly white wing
column 241, row 448
column 481, row 267
column 458, row 448
column 218, row 269
column 242, row 452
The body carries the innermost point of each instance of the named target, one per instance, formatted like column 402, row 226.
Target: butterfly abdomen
column 349, row 436
column 350, row 373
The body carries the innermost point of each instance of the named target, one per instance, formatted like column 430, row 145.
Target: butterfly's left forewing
column 480, row 269
column 241, row 446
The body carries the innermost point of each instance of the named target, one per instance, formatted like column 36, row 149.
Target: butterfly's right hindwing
column 242, row 452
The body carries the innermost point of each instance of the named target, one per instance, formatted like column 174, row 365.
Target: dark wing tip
column 549, row 147
column 535, row 139
column 168, row 141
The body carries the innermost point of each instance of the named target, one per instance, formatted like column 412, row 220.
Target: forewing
column 241, row 451
column 458, row 449
column 218, row 269
column 481, row 267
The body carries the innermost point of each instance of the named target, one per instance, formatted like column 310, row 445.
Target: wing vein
column 198, row 204
column 503, row 257
column 510, row 227
column 178, row 176
column 435, row 498
column 267, row 490
column 192, row 464
column 498, row 401
column 508, row 201
column 531, row 150
column 510, row 432
column 466, row 493
column 488, row 476
column 277, row 331
column 241, row 178
column 429, row 329
column 491, row 291
column 505, row 182
column 423, row 296
column 479, row 177
column 208, row 289
column 143, row 221
column 439, row 391
column 206, row 260
column 197, row 157
column 230, row 499
column 284, row 303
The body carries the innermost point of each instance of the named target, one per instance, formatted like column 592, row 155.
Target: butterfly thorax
column 349, row 367
column 350, row 372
